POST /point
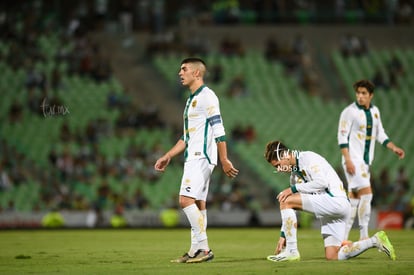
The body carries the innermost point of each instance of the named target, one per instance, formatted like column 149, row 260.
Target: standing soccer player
column 359, row 127
column 316, row 188
column 203, row 136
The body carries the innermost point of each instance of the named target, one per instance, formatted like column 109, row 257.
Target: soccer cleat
column 201, row 256
column 285, row 257
column 182, row 259
column 385, row 245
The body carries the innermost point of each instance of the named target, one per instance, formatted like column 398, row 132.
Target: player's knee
column 285, row 205
column 186, row 201
column 332, row 246
column 291, row 203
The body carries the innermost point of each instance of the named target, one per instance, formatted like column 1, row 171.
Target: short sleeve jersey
column 313, row 174
column 203, row 125
column 358, row 129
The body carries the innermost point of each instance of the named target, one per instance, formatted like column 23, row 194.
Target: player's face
column 363, row 97
column 186, row 74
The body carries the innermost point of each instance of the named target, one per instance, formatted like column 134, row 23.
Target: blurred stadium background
column 90, row 98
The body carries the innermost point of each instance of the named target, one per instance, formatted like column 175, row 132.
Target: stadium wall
column 147, row 219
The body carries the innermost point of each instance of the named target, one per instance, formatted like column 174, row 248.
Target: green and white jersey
column 358, row 129
column 203, row 125
column 314, row 175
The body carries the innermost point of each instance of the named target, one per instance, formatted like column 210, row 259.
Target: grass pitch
column 149, row 251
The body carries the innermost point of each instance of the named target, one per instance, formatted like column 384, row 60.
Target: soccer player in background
column 315, row 187
column 203, row 137
column 359, row 127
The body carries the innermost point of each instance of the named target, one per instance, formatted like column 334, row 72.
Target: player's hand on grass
column 280, row 245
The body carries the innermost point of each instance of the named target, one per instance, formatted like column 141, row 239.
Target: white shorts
column 333, row 212
column 196, row 179
column 360, row 179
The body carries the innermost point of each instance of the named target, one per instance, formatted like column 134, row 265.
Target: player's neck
column 195, row 86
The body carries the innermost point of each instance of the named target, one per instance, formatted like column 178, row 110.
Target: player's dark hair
column 274, row 150
column 365, row 84
column 193, row 60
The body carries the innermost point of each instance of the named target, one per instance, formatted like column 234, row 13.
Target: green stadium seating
column 279, row 108
column 35, row 136
column 276, row 105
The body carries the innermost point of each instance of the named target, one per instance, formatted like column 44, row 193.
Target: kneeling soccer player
column 316, row 188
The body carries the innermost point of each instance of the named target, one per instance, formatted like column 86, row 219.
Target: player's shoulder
column 308, row 154
column 350, row 110
column 349, row 107
column 375, row 108
column 352, row 106
column 305, row 156
column 208, row 94
column 208, row 91
column 309, row 157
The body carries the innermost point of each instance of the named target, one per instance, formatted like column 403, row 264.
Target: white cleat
column 285, row 256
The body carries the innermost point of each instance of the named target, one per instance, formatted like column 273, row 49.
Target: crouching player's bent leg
column 287, row 247
column 379, row 240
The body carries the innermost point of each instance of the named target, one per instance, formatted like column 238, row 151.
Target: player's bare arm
column 227, row 165
column 350, row 167
column 163, row 161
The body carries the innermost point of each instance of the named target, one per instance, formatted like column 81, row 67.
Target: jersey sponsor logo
column 190, row 130
column 315, row 168
column 211, row 110
column 298, row 180
column 364, row 172
column 187, row 185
